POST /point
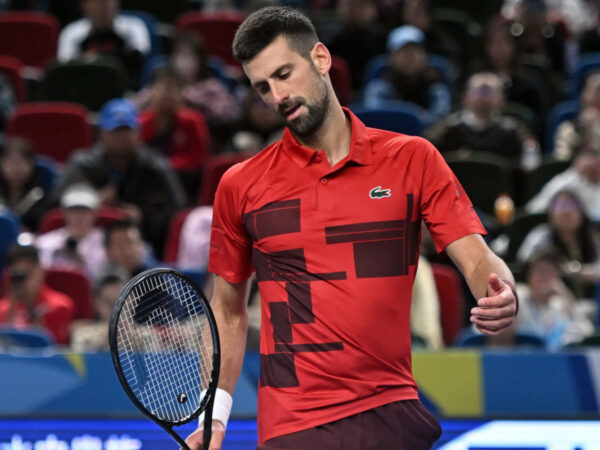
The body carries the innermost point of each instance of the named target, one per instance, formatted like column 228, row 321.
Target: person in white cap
column 79, row 243
column 408, row 77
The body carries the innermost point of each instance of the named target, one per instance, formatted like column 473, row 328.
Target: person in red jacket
column 28, row 301
column 179, row 133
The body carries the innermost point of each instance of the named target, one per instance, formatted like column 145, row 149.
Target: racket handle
column 208, row 412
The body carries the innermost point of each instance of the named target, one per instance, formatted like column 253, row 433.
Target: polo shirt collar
column 360, row 146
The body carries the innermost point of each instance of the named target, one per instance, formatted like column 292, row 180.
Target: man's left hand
column 497, row 311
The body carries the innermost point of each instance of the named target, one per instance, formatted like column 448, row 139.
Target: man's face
column 121, row 141
column 291, row 85
column 25, row 278
column 483, row 99
column 126, row 248
column 79, row 221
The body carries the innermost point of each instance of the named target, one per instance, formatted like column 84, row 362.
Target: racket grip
column 208, row 412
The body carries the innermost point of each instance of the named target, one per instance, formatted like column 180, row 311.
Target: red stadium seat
column 341, row 79
column 54, row 219
column 11, row 68
column 450, row 293
column 76, row 285
column 217, row 31
column 54, row 128
column 214, row 168
column 172, row 243
column 31, row 36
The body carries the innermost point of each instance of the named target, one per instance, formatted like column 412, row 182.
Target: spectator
column 179, row 133
column 418, row 13
column 547, row 307
column 104, row 31
column 92, row 336
column 541, row 34
column 480, row 125
column 582, row 178
column 259, row 125
column 572, row 134
column 126, row 251
column 204, row 89
column 576, row 242
column 128, row 174
column 194, row 241
column 408, row 76
column 359, row 38
column 28, row 301
column 79, row 243
column 501, row 56
column 21, row 187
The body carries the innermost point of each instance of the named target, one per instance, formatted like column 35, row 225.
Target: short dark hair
column 117, row 225
column 265, row 25
column 17, row 252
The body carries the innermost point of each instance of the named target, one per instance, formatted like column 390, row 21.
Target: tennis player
column 329, row 219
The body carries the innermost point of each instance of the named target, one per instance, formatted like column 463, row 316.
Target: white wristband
column 221, row 408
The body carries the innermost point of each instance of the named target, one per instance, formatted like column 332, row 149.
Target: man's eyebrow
column 273, row 74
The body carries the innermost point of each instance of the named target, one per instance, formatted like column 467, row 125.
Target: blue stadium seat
column 152, row 26
column 588, row 63
column 46, row 172
column 29, row 338
column 562, row 111
column 397, row 116
column 470, row 338
column 9, row 230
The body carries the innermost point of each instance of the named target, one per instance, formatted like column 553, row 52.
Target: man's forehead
column 274, row 55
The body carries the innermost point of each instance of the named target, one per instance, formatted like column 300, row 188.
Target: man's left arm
column 490, row 281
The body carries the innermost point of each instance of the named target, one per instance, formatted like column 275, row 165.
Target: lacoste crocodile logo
column 377, row 192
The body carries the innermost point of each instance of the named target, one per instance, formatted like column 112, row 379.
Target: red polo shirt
column 335, row 251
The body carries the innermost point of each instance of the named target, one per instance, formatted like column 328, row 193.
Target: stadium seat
column 560, row 112
column 46, row 172
column 341, row 79
column 9, row 230
column 54, row 219
column 28, row 338
column 76, row 285
column 214, row 168
column 11, row 68
column 484, row 177
column 217, row 31
column 377, row 66
column 537, row 178
column 450, row 293
column 30, row 36
column 172, row 243
column 56, row 129
column 398, row 116
column 522, row 224
column 90, row 84
column 587, row 63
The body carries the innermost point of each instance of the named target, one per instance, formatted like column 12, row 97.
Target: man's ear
column 321, row 58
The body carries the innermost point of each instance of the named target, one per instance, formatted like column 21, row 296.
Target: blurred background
column 118, row 118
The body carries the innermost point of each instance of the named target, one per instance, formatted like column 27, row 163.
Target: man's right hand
column 196, row 440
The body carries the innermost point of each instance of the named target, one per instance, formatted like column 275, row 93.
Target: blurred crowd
column 117, row 119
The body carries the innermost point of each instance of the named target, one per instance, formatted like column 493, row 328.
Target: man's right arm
column 229, row 305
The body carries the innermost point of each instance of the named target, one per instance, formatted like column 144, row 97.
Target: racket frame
column 206, row 405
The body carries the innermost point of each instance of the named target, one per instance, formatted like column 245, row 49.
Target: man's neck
column 333, row 137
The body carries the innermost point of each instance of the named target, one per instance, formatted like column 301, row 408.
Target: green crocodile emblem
column 377, row 192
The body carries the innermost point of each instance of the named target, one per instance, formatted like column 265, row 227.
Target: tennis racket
column 165, row 348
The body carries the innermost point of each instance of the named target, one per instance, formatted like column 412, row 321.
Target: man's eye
column 284, row 75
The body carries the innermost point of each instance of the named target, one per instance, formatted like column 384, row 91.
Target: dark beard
column 308, row 124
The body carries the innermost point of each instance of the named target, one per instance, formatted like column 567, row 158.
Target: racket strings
column 166, row 346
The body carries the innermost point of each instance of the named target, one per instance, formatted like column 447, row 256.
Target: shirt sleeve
column 445, row 206
column 230, row 253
